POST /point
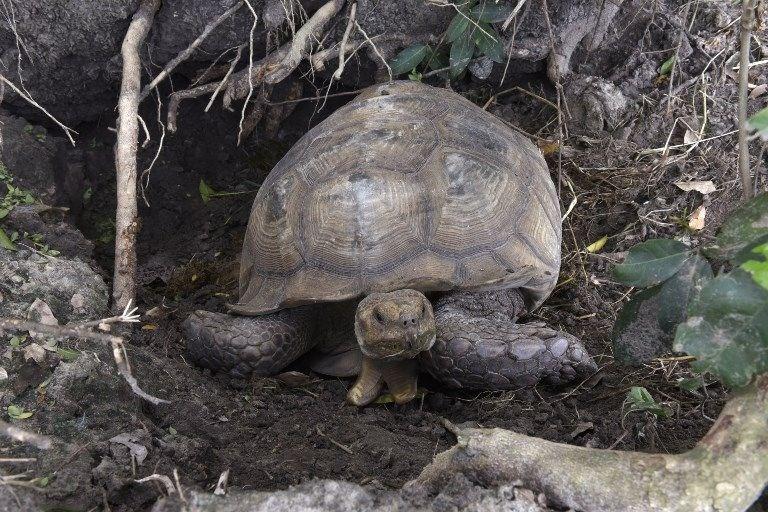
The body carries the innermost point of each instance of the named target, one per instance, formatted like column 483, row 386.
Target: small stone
column 35, row 352
column 77, row 301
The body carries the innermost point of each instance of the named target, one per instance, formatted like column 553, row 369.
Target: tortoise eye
column 378, row 317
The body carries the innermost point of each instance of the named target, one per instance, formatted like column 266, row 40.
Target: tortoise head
column 394, row 326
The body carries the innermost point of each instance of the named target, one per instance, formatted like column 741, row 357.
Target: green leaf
column 488, row 42
column 67, row 354
column 492, row 13
column 5, row 241
column 438, row 59
column 409, row 58
column 461, row 52
column 636, row 336
column 645, row 326
column 651, row 262
column 727, row 329
column 458, row 27
column 747, row 224
column 18, row 413
column 679, row 290
column 759, row 123
column 758, row 269
column 206, row 192
column 666, row 66
column 639, row 399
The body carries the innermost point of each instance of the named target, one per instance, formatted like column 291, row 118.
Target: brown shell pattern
column 407, row 186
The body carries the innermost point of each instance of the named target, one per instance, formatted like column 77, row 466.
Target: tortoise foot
column 242, row 346
column 400, row 377
column 484, row 353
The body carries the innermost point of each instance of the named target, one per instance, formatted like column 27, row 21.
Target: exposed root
column 67, row 131
column 278, row 65
column 343, row 45
column 727, row 470
column 126, row 221
column 173, row 103
column 85, row 331
column 185, row 54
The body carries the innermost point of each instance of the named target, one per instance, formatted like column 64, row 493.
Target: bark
column 126, row 221
column 747, row 20
column 726, row 471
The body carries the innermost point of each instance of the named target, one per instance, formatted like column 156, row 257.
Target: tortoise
column 409, row 230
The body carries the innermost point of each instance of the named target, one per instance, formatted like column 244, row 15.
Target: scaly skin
column 479, row 346
column 243, row 345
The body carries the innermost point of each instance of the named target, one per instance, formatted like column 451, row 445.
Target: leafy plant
column 470, row 34
column 16, row 412
column 721, row 320
column 759, row 123
column 639, row 399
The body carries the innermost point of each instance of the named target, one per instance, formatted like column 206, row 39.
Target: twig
column 344, row 38
column 22, row 436
column 224, row 80
column 67, row 131
column 126, row 218
column 184, row 54
column 250, row 72
column 221, row 485
column 146, row 173
column 169, row 488
column 80, row 331
column 173, row 103
column 336, row 443
column 375, row 49
column 747, row 20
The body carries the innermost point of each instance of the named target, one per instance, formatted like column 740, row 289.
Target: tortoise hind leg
column 240, row 345
column 479, row 345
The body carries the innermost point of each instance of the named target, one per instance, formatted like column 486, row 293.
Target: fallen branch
column 727, row 470
column 83, row 331
column 22, row 436
column 126, row 218
column 184, row 54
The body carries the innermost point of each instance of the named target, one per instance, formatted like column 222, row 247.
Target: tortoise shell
column 406, row 186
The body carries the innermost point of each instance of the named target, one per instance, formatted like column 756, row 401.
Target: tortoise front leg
column 478, row 347
column 244, row 345
column 401, row 378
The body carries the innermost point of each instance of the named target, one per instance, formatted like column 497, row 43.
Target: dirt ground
column 271, row 433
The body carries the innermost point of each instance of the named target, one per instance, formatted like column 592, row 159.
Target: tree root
column 726, row 471
column 126, row 221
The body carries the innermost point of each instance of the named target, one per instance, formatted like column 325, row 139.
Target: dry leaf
column 583, row 426
column 599, row 244
column 41, row 312
column 759, row 90
column 702, row 187
column 3, row 374
column 35, row 352
column 696, row 220
column 293, row 379
column 131, row 442
column 149, row 327
column 691, row 136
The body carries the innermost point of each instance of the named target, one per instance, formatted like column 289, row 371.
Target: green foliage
column 758, row 269
column 67, row 354
column 409, row 58
column 640, row 400
column 727, row 329
column 16, row 412
column 206, row 192
column 747, row 225
column 651, row 262
column 6, row 242
column 722, row 321
column 666, row 66
column 759, row 123
column 469, row 34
